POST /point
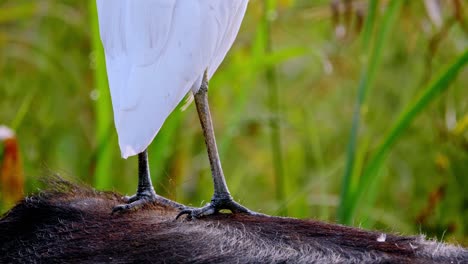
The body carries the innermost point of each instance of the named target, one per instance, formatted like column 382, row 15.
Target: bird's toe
column 214, row 207
column 130, row 199
column 197, row 212
column 136, row 202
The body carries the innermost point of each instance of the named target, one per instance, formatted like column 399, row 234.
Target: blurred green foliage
column 282, row 104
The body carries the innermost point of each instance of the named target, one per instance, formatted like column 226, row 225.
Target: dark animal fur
column 74, row 224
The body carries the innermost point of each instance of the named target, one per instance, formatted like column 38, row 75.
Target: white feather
column 232, row 12
column 156, row 50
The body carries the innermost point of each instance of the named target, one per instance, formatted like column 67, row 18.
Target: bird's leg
column 145, row 192
column 222, row 199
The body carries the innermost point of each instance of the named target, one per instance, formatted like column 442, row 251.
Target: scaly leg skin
column 222, row 199
column 217, row 203
column 145, row 193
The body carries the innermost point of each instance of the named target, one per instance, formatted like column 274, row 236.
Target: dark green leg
column 145, row 192
column 221, row 199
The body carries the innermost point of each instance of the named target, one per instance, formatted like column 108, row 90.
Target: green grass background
column 363, row 129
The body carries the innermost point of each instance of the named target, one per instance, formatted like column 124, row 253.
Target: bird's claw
column 130, row 199
column 133, row 203
column 120, row 208
column 197, row 212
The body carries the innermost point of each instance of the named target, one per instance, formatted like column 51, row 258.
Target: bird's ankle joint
column 147, row 193
column 221, row 199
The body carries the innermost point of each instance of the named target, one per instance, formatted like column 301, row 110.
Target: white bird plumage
column 156, row 51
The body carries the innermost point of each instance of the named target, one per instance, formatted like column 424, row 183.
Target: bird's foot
column 216, row 205
column 138, row 200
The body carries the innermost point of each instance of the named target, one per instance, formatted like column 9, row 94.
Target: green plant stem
column 103, row 107
column 369, row 24
column 367, row 78
column 435, row 88
column 271, row 78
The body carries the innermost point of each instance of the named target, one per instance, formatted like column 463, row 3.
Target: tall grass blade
column 368, row 75
column 18, row 11
column 24, row 108
column 430, row 93
column 271, row 78
column 103, row 107
column 162, row 149
column 369, row 24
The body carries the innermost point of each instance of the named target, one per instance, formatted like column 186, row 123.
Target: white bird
column 156, row 52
